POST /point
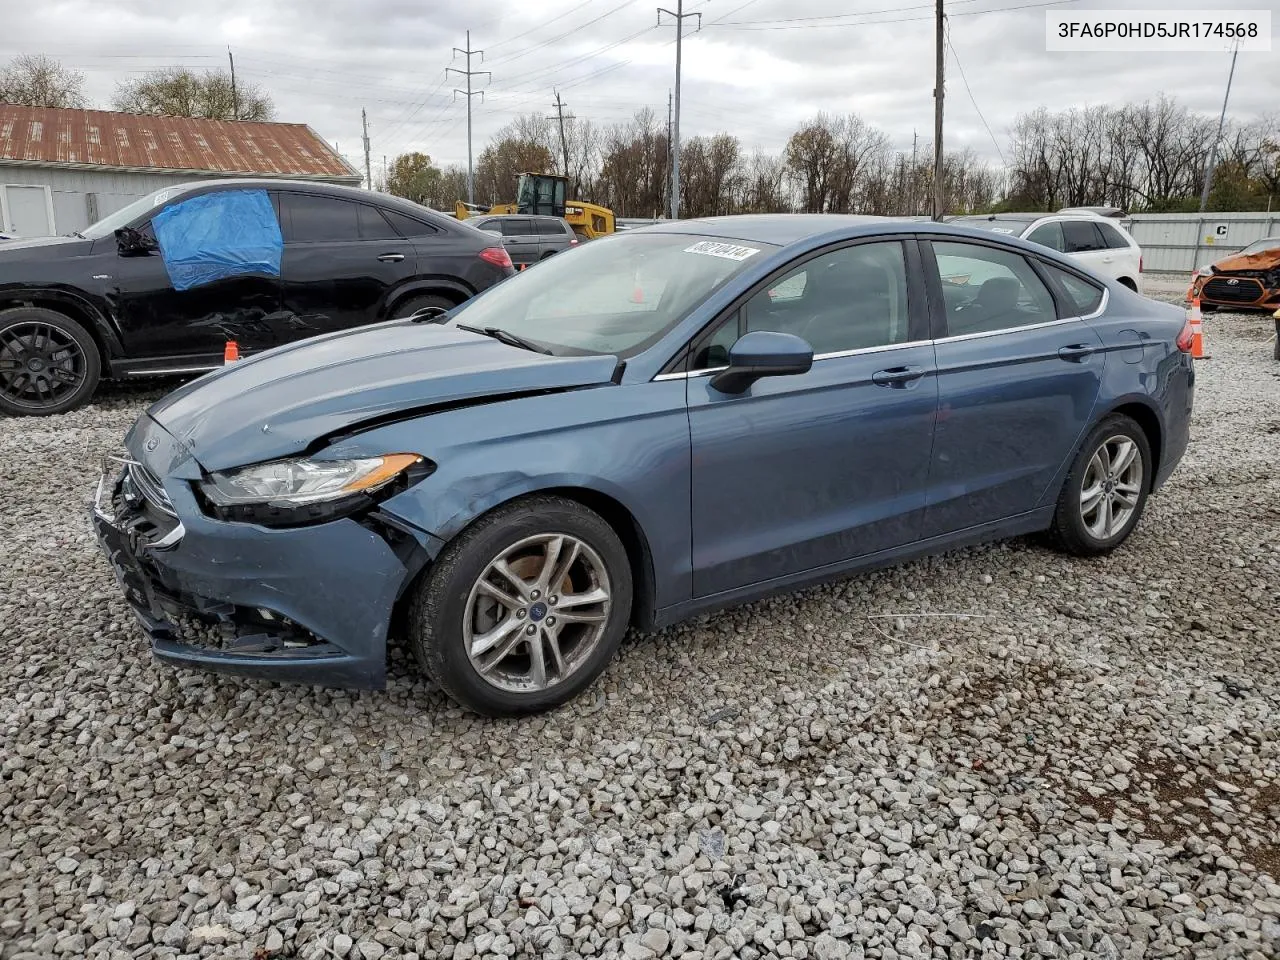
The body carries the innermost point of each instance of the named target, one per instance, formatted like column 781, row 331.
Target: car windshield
column 616, row 295
column 1262, row 246
column 126, row 215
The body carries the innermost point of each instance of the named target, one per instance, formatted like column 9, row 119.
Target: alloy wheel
column 537, row 612
column 40, row 364
column 1112, row 487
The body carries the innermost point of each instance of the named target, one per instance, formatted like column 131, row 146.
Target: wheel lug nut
column 521, row 612
column 535, row 594
column 531, row 629
column 553, row 600
column 551, row 621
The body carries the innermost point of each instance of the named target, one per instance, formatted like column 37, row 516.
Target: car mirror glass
column 763, row 353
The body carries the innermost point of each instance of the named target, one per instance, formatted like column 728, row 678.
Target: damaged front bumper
column 307, row 604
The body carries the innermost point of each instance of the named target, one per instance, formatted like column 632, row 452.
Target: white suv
column 1099, row 243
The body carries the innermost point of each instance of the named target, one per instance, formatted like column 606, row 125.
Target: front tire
column 49, row 364
column 1106, row 489
column 525, row 609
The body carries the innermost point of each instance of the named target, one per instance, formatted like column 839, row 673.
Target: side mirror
column 132, row 243
column 763, row 354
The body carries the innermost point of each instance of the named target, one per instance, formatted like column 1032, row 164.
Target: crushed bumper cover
column 307, row 605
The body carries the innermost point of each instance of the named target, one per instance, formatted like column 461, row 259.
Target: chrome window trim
column 836, row 355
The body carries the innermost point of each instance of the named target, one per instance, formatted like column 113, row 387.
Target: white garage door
column 26, row 211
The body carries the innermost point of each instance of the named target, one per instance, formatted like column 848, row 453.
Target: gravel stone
column 1083, row 765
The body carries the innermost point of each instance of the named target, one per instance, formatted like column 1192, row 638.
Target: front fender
column 77, row 304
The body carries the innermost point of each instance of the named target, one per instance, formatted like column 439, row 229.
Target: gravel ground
column 1085, row 766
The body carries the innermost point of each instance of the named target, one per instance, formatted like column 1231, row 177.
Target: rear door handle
column 391, row 257
column 1076, row 352
column 897, row 376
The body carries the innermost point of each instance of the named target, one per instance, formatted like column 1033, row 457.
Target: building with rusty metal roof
column 61, row 170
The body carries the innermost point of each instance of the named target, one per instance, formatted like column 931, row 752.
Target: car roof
column 407, row 207
column 780, row 229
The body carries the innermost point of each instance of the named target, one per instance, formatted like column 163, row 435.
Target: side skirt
column 1031, row 522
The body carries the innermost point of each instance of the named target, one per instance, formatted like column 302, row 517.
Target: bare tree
column 34, row 80
column 179, row 92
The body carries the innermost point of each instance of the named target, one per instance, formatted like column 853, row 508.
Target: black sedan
column 161, row 286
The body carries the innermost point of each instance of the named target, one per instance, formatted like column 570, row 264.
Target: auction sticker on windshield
column 726, row 251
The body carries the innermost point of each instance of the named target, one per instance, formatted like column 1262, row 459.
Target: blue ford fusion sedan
column 653, row 425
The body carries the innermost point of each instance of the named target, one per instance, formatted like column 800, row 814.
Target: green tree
column 34, row 80
column 179, row 92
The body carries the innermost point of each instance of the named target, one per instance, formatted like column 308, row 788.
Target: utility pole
column 560, row 116
column 368, row 174
column 679, row 16
column 668, row 138
column 939, row 40
column 235, row 99
column 1213, row 147
column 469, row 93
column 384, row 171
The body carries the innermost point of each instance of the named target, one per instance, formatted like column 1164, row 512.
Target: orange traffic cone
column 231, row 353
column 637, row 295
column 1198, row 351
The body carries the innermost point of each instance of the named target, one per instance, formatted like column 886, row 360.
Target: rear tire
column 524, row 609
column 1106, row 489
column 413, row 304
column 49, row 364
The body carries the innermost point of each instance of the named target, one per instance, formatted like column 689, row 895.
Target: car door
column 799, row 472
column 1123, row 258
column 342, row 261
column 521, row 241
column 188, row 284
column 1018, row 378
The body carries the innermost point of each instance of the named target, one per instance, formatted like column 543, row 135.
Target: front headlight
column 303, row 489
column 1205, row 271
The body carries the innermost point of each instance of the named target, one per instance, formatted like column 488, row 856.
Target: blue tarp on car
column 218, row 235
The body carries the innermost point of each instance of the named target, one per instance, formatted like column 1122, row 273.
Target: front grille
column 149, row 486
column 1233, row 289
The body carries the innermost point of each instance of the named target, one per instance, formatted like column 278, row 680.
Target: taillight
column 573, row 242
column 1185, row 338
column 498, row 256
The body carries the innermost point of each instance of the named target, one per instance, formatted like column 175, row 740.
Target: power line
column 977, row 108
column 875, row 23
column 561, row 36
column 546, row 23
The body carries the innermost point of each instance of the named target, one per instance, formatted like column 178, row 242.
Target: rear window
column 409, row 226
column 1084, row 296
column 1114, row 238
column 1081, row 236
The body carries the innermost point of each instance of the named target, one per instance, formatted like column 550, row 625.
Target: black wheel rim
column 41, row 364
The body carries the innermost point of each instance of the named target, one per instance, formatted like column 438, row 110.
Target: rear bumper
column 1180, row 393
column 308, row 605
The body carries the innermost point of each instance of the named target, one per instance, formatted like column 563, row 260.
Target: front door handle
column 391, row 257
column 1076, row 352
column 897, row 376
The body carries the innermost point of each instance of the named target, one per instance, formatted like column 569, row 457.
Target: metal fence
column 1180, row 242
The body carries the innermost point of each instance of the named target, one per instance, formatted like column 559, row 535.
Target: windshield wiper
column 507, row 337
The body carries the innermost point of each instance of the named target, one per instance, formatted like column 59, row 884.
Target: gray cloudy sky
column 756, row 68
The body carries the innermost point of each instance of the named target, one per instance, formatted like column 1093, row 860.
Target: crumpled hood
column 277, row 403
column 1263, row 260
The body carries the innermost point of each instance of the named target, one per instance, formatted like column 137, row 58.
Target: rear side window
column 409, row 226
column 517, row 228
column 987, row 290
column 315, row 219
column 1081, row 236
column 1114, row 238
column 373, row 226
column 1048, row 235
column 551, row 228
column 1083, row 297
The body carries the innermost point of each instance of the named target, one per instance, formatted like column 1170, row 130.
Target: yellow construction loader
column 542, row 194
